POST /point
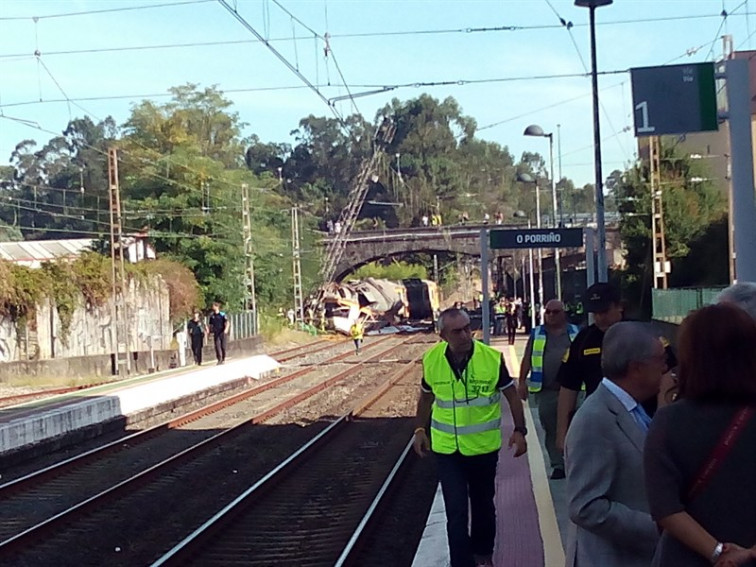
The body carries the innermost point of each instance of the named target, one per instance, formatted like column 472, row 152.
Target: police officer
column 196, row 330
column 581, row 366
column 463, row 381
column 219, row 327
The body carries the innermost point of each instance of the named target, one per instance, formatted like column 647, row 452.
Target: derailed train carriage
column 380, row 303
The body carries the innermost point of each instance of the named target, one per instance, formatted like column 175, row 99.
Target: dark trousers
column 470, row 479
column 357, row 343
column 220, row 346
column 198, row 342
column 511, row 332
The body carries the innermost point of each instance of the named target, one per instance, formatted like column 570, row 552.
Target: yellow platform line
column 552, row 541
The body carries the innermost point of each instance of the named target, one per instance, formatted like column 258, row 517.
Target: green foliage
column 93, row 277
column 692, row 210
column 185, row 294
column 394, row 271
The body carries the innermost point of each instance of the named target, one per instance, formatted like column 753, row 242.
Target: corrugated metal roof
column 34, row 252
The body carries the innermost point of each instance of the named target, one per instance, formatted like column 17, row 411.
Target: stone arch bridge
column 363, row 247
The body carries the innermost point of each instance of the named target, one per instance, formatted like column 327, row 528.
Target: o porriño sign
column 536, row 238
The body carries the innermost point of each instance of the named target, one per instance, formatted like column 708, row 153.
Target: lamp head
column 525, row 178
column 592, row 3
column 534, row 130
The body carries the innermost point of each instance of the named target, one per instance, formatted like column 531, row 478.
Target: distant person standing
column 197, row 330
column 511, row 323
column 357, row 333
column 546, row 347
column 220, row 328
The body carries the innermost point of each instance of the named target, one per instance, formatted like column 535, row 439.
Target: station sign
column 536, row 238
column 674, row 99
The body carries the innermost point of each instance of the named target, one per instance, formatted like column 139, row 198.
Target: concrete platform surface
column 33, row 425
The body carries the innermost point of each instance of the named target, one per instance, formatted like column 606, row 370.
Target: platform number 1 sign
column 674, row 99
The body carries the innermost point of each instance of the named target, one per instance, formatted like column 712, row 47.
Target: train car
column 380, row 303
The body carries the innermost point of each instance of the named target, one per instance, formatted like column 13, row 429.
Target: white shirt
column 625, row 399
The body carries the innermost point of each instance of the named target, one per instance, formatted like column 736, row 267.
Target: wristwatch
column 523, row 430
column 717, row 553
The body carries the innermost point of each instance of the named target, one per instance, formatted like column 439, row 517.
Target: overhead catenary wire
column 568, row 26
column 284, row 60
column 105, row 10
column 202, row 44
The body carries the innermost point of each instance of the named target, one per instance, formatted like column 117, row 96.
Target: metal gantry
column 657, row 215
column 297, row 266
column 249, row 259
column 120, row 334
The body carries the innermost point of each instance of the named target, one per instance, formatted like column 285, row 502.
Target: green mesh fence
column 672, row 305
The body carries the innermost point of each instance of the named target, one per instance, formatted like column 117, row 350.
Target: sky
column 509, row 63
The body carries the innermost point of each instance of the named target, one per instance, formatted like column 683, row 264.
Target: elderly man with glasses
column 546, row 347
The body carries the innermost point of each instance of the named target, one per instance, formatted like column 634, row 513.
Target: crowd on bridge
column 656, row 445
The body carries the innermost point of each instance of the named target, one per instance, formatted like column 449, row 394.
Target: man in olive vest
column 460, row 398
column 546, row 347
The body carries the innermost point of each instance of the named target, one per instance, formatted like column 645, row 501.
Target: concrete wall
column 90, row 333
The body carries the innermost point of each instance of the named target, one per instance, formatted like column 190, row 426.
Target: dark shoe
column 558, row 474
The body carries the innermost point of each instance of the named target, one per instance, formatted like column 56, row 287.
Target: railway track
column 41, row 495
column 317, row 507
column 282, row 356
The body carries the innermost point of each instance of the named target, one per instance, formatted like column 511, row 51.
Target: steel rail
column 26, row 537
column 190, row 545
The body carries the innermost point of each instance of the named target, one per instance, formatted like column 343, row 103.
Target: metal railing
column 243, row 325
column 673, row 305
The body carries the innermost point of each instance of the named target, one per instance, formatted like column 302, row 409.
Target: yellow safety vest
column 466, row 415
column 536, row 360
column 356, row 332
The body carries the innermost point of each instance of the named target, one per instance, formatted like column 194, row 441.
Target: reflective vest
column 466, row 415
column 536, row 359
column 356, row 331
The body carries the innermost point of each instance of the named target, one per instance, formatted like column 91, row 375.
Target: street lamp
column 521, row 214
column 603, row 272
column 535, row 130
column 527, row 178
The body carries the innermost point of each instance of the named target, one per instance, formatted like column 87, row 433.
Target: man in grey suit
column 611, row 525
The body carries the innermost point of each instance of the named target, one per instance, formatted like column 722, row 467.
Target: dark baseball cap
column 600, row 297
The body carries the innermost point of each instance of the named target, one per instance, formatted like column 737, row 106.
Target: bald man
column 543, row 355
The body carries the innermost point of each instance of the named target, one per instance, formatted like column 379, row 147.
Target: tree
column 693, row 212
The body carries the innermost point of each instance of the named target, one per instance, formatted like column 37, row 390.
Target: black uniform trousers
column 220, row 346
column 470, row 479
column 198, row 341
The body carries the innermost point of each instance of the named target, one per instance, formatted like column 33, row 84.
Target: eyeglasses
column 552, row 311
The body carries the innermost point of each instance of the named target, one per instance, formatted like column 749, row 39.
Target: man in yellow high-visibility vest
column 357, row 333
column 460, row 400
column 546, row 347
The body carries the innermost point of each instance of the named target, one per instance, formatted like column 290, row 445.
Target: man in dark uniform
column 196, row 330
column 581, row 367
column 219, row 327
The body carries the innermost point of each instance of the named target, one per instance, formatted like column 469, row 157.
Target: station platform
column 39, row 422
column 531, row 513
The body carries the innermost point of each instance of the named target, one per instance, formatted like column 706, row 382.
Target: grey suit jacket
column 606, row 494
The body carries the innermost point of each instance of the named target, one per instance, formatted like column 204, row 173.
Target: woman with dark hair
column 700, row 453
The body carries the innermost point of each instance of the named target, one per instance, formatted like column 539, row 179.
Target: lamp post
column 521, row 214
column 603, row 272
column 535, row 130
column 526, row 178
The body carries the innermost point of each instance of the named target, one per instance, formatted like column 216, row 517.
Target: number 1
column 644, row 128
